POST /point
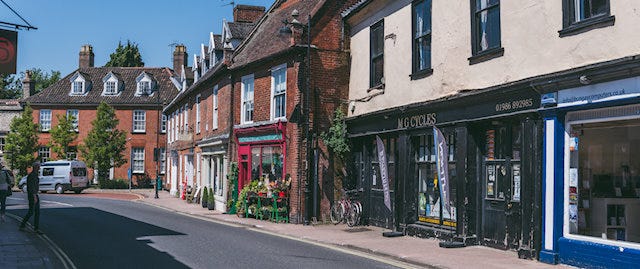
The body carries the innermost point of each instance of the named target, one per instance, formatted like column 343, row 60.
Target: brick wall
column 244, row 13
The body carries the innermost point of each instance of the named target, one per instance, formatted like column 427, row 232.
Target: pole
column 158, row 155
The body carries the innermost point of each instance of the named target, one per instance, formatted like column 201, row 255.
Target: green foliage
column 210, row 198
column 233, row 186
column 10, row 88
column 104, row 145
column 241, row 198
column 62, row 135
column 12, row 84
column 113, row 184
column 336, row 138
column 125, row 56
column 22, row 141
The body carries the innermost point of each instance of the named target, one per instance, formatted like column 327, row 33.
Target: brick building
column 137, row 95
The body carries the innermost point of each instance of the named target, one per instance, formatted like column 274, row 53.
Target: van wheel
column 59, row 189
column 77, row 191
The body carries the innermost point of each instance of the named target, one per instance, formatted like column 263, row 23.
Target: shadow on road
column 94, row 238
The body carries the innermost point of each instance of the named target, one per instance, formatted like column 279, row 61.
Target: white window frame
column 137, row 160
column 110, row 87
column 275, row 71
column 186, row 118
column 45, row 120
column 44, row 153
column 76, row 114
column 163, row 160
column 198, row 97
column 163, row 124
column 77, row 87
column 247, row 100
column 139, row 121
column 215, row 107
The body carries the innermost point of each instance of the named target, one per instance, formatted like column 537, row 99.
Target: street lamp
column 286, row 30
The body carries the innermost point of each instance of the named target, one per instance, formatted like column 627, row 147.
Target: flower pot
column 211, row 206
column 204, row 203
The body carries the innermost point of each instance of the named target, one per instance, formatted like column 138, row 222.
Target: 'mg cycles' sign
column 415, row 121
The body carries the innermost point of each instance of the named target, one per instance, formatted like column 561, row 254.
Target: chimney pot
column 86, row 56
column 180, row 58
column 27, row 85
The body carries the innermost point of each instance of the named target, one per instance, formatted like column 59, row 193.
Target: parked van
column 60, row 176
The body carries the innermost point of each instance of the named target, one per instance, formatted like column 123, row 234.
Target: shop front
column 493, row 141
column 214, row 168
column 592, row 175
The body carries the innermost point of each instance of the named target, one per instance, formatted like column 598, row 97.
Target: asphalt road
column 105, row 233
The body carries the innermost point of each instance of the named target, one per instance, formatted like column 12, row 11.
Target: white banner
column 382, row 161
column 442, row 163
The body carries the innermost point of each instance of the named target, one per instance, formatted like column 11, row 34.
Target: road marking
column 43, row 201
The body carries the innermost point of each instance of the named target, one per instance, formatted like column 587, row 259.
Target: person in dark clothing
column 6, row 182
column 33, row 186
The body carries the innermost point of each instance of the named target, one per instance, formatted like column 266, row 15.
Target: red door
column 244, row 177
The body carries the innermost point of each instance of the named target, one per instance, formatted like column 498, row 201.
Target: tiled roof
column 265, row 40
column 58, row 93
column 355, row 8
column 218, row 42
column 240, row 30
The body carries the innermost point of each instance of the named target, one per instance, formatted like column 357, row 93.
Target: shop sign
column 442, row 163
column 8, row 51
column 606, row 91
column 259, row 138
column 382, row 158
column 514, row 105
column 416, row 121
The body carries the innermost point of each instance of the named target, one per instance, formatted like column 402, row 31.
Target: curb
column 345, row 248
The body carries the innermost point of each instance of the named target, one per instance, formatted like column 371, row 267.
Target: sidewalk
column 24, row 249
column 368, row 239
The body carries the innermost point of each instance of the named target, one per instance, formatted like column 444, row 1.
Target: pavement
column 30, row 250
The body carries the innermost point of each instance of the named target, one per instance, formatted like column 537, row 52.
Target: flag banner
column 382, row 160
column 442, row 163
column 8, row 51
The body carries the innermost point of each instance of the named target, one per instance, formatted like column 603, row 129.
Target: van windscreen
column 79, row 172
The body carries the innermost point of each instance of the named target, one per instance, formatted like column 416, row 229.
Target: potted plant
column 211, row 203
column 205, row 196
column 242, row 197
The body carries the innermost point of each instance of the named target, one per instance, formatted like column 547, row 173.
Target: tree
column 62, row 135
column 22, row 141
column 104, row 145
column 11, row 85
column 125, row 56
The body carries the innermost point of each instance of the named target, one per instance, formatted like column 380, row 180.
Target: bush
column 211, row 201
column 205, row 197
column 113, row 184
column 143, row 181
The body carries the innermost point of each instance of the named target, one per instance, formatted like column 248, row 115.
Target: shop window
column 390, row 150
column 430, row 209
column 604, row 179
column 266, row 163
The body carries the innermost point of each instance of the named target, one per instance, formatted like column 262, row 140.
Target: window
column 72, row 153
column 74, row 116
column 45, row 120
column 163, row 160
column 267, row 161
column 215, row 107
column 185, row 112
column 139, row 121
column 110, row 88
column 377, row 55
column 138, row 160
column 43, row 154
column 77, row 87
column 198, row 114
column 218, row 170
column 246, row 115
column 485, row 30
column 163, row 124
column 144, row 87
column 2, row 143
column 585, row 14
column 279, row 92
column 421, row 36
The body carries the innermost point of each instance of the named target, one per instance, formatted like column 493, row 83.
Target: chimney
column 86, row 56
column 180, row 58
column 27, row 85
column 245, row 13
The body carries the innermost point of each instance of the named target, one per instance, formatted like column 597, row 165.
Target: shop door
column 244, row 173
column 379, row 214
column 501, row 214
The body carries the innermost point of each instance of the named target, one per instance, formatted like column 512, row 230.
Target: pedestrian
column 6, row 183
column 33, row 183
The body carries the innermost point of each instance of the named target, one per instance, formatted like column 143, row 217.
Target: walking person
column 33, row 186
column 6, row 182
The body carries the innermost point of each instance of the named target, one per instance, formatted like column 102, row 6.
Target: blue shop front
column 591, row 174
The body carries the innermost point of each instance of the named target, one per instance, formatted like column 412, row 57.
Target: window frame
column 275, row 71
column 135, row 160
column 44, row 119
column 372, row 70
column 571, row 26
column 245, row 101
column 163, row 160
column 77, row 118
column 139, row 122
column 107, row 87
column 415, row 66
column 477, row 54
column 163, row 123
column 44, row 153
column 215, row 107
column 198, row 118
column 76, row 85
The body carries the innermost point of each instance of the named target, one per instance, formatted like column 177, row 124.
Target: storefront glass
column 429, row 207
column 266, row 161
column 604, row 179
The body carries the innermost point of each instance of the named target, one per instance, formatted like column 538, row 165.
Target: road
column 107, row 233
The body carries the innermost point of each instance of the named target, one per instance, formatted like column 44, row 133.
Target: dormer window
column 144, row 87
column 145, row 84
column 78, row 87
column 79, row 84
column 110, row 87
column 112, row 84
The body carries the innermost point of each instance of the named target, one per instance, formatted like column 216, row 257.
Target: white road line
column 43, row 201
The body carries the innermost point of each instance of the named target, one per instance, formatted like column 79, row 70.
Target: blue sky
column 65, row 25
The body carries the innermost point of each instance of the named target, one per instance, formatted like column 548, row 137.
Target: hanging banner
column 442, row 163
column 8, row 51
column 382, row 160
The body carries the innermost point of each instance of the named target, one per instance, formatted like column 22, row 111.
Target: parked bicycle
column 347, row 210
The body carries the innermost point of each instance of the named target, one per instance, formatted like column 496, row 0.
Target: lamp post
column 310, row 208
column 157, row 152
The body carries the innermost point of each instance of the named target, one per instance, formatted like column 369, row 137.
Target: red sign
column 8, row 51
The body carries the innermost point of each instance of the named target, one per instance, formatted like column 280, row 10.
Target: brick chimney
column 27, row 85
column 245, row 13
column 86, row 56
column 180, row 58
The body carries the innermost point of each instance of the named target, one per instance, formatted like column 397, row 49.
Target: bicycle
column 347, row 210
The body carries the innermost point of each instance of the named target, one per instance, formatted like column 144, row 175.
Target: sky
column 65, row 25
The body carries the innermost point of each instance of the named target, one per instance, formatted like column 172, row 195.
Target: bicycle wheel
column 337, row 213
column 352, row 216
column 358, row 207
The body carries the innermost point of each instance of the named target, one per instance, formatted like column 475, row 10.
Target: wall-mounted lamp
column 584, row 80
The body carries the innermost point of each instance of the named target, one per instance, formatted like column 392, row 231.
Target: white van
column 61, row 176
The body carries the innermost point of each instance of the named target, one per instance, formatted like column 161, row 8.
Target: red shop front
column 261, row 153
